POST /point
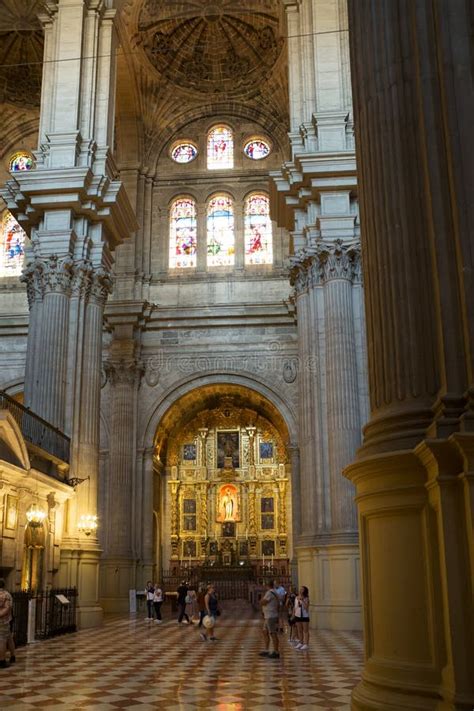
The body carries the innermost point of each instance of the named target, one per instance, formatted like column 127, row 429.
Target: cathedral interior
column 236, row 314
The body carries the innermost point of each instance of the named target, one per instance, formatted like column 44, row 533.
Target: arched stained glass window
column 258, row 230
column 220, row 148
column 220, row 231
column 12, row 245
column 183, row 227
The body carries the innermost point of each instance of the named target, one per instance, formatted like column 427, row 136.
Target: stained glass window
column 20, row 161
column 258, row 230
column 184, row 152
column 257, row 149
column 220, row 148
column 183, row 226
column 220, row 231
column 12, row 245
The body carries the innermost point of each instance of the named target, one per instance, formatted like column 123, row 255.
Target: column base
column 117, row 578
column 79, row 568
column 368, row 697
column 331, row 573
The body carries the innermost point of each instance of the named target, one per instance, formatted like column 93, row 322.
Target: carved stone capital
column 299, row 277
column 81, row 278
column 57, row 274
column 101, row 286
column 124, row 372
column 336, row 260
column 32, row 276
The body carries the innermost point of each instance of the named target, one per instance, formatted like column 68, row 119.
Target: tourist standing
column 302, row 618
column 281, row 592
column 157, row 602
column 182, row 602
column 201, row 602
column 211, row 603
column 149, row 594
column 6, row 617
column 270, row 603
column 290, row 608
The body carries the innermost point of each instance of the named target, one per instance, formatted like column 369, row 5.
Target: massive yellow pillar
column 414, row 101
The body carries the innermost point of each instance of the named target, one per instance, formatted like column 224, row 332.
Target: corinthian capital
column 57, row 274
column 101, row 285
column 337, row 260
column 299, row 275
column 81, row 278
column 124, row 372
column 32, row 276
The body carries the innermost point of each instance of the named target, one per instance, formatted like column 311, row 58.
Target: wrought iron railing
column 36, row 430
column 51, row 617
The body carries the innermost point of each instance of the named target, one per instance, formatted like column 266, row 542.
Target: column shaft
column 344, row 432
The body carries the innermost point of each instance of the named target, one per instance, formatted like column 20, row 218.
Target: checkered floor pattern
column 131, row 664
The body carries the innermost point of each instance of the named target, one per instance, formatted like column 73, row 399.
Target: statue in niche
column 228, row 504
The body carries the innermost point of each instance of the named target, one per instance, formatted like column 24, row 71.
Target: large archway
column 222, row 496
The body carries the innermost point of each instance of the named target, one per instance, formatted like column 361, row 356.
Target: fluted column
column 99, row 287
column 338, row 265
column 124, row 378
column 50, row 372
column 413, row 98
column 309, row 442
column 144, row 517
column 32, row 277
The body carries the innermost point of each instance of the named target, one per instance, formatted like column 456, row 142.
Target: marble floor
column 131, row 664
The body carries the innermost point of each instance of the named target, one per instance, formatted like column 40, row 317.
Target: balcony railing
column 35, row 430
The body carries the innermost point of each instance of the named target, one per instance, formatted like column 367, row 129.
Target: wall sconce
column 87, row 524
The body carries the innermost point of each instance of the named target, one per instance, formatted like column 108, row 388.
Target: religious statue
column 227, row 504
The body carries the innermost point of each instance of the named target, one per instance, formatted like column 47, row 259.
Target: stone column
column 119, row 561
column 51, row 371
column 338, row 265
column 413, row 99
column 144, row 524
column 32, row 277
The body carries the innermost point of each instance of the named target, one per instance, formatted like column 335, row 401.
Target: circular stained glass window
column 184, row 152
column 257, row 149
column 20, row 161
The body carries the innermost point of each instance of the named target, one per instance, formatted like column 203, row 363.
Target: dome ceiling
column 222, row 46
column 21, row 52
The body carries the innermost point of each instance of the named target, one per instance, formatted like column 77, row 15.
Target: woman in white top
column 157, row 602
column 301, row 613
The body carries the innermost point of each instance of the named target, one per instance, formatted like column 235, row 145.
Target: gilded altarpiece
column 229, row 491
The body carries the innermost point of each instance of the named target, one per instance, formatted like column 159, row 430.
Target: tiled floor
column 131, row 664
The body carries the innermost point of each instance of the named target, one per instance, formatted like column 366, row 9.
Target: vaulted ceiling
column 178, row 61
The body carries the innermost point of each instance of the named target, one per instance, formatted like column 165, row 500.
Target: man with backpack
column 271, row 604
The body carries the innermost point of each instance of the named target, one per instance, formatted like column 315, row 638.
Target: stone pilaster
column 411, row 65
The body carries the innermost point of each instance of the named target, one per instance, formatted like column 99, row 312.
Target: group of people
column 279, row 606
column 202, row 607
